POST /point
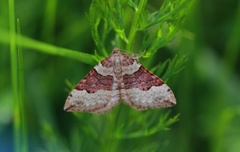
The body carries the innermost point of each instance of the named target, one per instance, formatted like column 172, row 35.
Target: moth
column 119, row 78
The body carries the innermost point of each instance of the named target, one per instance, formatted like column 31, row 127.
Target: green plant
column 125, row 24
column 131, row 25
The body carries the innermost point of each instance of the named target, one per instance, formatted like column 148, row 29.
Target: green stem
column 50, row 49
column 134, row 27
column 21, row 94
column 96, row 37
column 49, row 20
column 14, row 69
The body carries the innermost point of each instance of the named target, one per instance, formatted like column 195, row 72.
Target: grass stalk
column 50, row 49
column 49, row 20
column 19, row 126
column 14, row 68
column 21, row 93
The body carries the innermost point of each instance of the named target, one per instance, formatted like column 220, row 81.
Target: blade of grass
column 49, row 20
column 14, row 76
column 51, row 49
column 21, row 94
column 14, row 68
column 19, row 127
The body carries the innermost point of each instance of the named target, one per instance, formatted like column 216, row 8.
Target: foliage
column 36, row 61
column 134, row 24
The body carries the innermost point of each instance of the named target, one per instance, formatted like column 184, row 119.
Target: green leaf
column 175, row 66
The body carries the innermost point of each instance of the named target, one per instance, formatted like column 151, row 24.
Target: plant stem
column 13, row 54
column 134, row 26
column 21, row 94
column 19, row 126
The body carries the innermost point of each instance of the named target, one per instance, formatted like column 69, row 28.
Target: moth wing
column 143, row 90
column 96, row 93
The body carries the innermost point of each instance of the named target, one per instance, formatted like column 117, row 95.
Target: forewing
column 142, row 90
column 96, row 93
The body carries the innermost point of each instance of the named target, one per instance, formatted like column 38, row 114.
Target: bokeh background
column 207, row 89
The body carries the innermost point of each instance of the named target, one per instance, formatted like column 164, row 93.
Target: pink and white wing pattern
column 96, row 93
column 119, row 78
column 143, row 90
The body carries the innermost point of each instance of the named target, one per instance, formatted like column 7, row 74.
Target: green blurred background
column 207, row 89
